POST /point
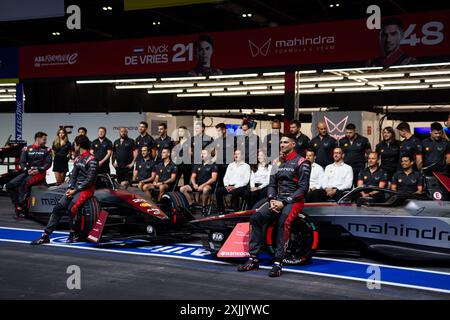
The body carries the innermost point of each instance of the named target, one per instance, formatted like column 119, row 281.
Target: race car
column 115, row 213
column 403, row 227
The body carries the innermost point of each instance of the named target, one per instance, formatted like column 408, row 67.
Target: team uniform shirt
column 389, row 154
column 302, row 144
column 204, row 172
column 144, row 168
column 224, row 148
column 84, row 172
column 372, row 179
column 101, row 148
column 160, row 144
column 411, row 146
column 407, row 183
column 165, row 172
column 237, row 174
column 339, row 176
column 323, row 149
column 316, row 178
column 145, row 141
column 123, row 152
column 435, row 152
column 355, row 151
column 198, row 143
column 36, row 157
column 261, row 177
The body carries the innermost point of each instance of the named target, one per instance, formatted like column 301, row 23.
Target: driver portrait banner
column 413, row 38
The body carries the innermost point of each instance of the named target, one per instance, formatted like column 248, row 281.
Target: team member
column 102, row 149
column 372, row 176
column 166, row 173
column 35, row 160
column 163, row 141
column 223, row 147
column 144, row 171
column 62, row 150
column 180, row 154
column 356, row 149
column 391, row 35
column 436, row 149
column 272, row 141
column 338, row 178
column 144, row 139
column 323, row 145
column 317, row 173
column 199, row 142
column 302, row 141
column 124, row 157
column 82, row 131
column 289, row 183
column 81, row 188
column 389, row 151
column 410, row 145
column 248, row 143
column 235, row 182
column 204, row 47
column 203, row 178
column 407, row 180
column 259, row 180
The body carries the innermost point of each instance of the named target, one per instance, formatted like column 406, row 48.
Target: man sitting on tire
column 81, row 188
column 289, row 183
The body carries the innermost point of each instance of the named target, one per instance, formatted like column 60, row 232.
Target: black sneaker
column 276, row 270
column 43, row 239
column 72, row 238
column 251, row 264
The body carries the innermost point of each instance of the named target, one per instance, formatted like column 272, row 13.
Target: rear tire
column 86, row 218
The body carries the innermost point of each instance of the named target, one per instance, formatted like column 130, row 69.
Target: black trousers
column 236, row 194
column 253, row 197
column 124, row 174
column 19, row 187
column 320, row 195
column 260, row 221
column 104, row 168
column 186, row 171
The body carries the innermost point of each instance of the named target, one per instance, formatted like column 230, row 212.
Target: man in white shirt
column 235, row 182
column 337, row 179
column 317, row 173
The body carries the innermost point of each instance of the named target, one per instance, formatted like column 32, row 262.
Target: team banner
column 19, row 110
column 403, row 39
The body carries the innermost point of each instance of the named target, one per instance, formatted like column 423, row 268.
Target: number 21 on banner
column 181, row 50
column 432, row 34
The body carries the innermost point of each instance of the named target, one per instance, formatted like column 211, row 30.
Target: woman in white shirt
column 259, row 180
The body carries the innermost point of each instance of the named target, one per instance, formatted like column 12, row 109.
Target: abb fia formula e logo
column 56, row 59
column 262, row 49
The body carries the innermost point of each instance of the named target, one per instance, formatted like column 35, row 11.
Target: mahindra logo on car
column 49, row 202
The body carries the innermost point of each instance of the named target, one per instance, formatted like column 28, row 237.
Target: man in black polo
column 144, row 139
column 272, row 141
column 223, row 146
column 144, row 171
column 302, row 141
column 323, row 145
column 124, row 157
column 410, row 145
column 372, row 176
column 163, row 141
column 102, row 149
column 436, row 150
column 166, row 173
column 203, row 178
column 199, row 142
column 356, row 148
column 407, row 180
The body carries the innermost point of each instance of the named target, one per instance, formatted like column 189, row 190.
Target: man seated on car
column 35, row 160
column 81, row 188
column 166, row 173
column 289, row 183
column 203, row 178
column 372, row 176
column 407, row 180
column 338, row 178
column 144, row 173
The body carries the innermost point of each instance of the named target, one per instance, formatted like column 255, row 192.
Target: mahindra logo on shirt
column 259, row 50
column 336, row 130
column 56, row 60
